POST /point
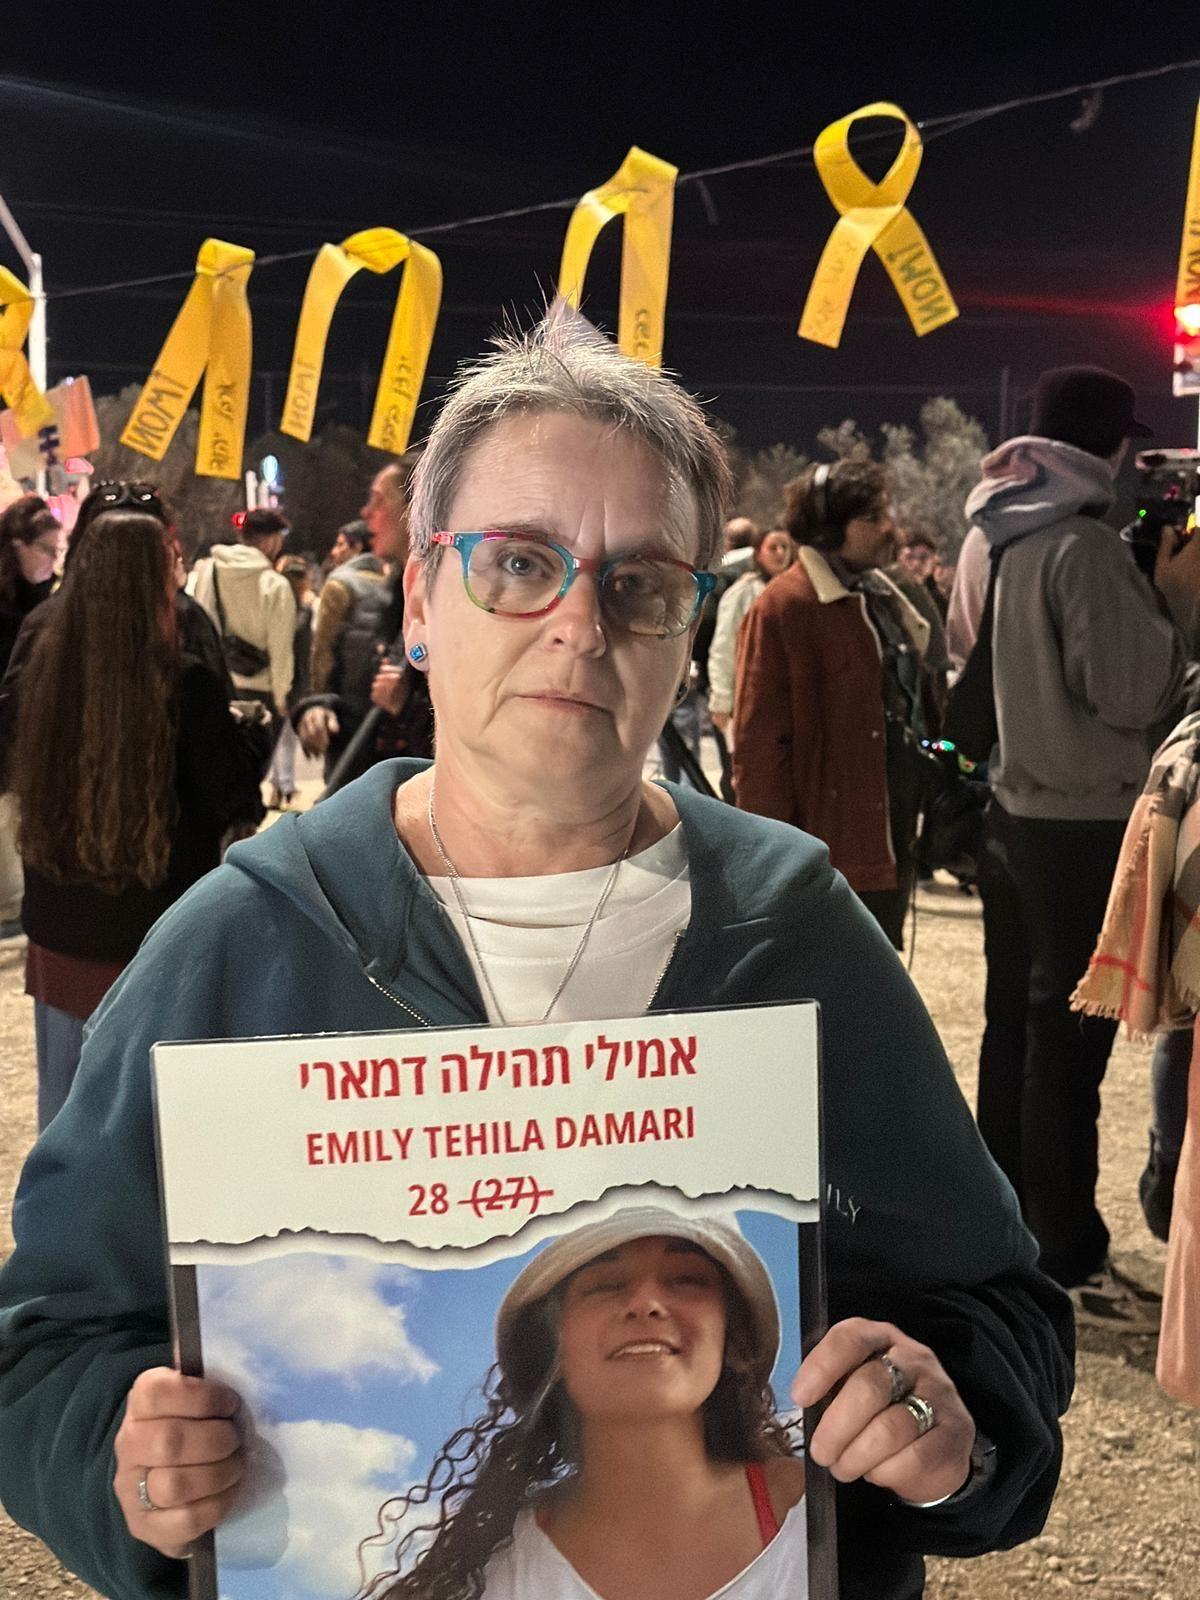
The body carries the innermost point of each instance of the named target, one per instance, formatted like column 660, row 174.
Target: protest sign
column 365, row 1233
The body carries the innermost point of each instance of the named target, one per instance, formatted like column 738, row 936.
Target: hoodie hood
column 342, row 866
column 1030, row 483
column 239, row 558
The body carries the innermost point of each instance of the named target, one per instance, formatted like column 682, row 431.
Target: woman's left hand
column 863, row 1434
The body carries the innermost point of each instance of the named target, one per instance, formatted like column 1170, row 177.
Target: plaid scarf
column 1146, row 968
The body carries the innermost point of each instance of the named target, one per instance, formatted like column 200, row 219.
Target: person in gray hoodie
column 1087, row 659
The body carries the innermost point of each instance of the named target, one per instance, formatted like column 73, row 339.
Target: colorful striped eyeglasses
column 520, row 575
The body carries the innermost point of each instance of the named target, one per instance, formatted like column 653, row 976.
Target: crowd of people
column 490, row 584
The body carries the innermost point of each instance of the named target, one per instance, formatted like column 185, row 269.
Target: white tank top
column 532, row 1568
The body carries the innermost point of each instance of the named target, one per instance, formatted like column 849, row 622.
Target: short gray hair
column 564, row 364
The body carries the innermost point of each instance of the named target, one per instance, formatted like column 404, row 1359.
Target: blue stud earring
column 417, row 654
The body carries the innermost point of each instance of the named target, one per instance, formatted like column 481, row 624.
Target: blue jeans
column 282, row 771
column 59, row 1040
column 686, row 718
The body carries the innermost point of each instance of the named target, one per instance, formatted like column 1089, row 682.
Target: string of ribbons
column 211, row 337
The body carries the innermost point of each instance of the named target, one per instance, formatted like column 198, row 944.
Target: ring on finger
column 901, row 1385
column 921, row 1412
column 143, row 1492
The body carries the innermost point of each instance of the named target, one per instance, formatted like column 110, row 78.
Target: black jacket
column 356, row 661
column 25, row 598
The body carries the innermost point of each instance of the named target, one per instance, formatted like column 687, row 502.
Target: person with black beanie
column 1087, row 658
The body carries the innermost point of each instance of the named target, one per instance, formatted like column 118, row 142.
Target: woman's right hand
column 177, row 1435
column 316, row 728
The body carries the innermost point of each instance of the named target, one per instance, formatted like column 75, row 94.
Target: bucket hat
column 718, row 1236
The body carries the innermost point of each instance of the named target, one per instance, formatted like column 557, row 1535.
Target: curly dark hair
column 526, row 1440
column 823, row 500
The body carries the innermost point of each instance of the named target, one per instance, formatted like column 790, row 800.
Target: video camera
column 1169, row 487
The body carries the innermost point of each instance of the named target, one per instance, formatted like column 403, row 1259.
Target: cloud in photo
column 337, row 1479
column 308, row 1317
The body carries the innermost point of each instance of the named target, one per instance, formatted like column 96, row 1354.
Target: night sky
column 287, row 130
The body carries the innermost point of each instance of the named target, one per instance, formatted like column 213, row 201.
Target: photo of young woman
column 630, row 1446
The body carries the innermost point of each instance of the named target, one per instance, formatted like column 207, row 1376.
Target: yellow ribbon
column 17, row 388
column 873, row 217
column 210, row 337
column 404, row 362
column 643, row 191
column 1187, row 289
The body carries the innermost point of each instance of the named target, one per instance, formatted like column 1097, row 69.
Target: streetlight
column 37, row 325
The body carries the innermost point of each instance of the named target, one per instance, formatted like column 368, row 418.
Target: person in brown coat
column 827, row 701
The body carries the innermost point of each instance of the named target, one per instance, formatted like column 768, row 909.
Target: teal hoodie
column 323, row 924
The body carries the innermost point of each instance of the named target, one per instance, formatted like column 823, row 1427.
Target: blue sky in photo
column 395, row 1360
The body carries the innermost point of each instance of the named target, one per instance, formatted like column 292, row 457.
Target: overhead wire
column 930, row 128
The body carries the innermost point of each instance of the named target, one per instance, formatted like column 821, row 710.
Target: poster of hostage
column 471, row 1283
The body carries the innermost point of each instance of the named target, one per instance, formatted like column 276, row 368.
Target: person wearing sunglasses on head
column 566, row 512
column 197, row 636
column 127, row 769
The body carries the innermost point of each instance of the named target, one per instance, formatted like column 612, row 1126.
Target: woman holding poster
column 630, row 1441
column 566, row 512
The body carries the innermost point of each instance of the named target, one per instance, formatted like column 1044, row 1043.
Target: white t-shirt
column 527, row 930
column 532, row 1568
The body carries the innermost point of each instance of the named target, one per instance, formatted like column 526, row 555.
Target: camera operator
column 1086, row 660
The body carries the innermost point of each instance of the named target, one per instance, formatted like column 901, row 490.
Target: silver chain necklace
column 455, row 881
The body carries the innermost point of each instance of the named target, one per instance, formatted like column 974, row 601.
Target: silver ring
column 901, row 1386
column 921, row 1412
column 144, row 1499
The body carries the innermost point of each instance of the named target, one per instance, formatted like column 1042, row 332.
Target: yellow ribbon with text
column 643, row 191
column 17, row 388
column 1187, row 289
column 407, row 354
column 873, row 216
column 210, row 338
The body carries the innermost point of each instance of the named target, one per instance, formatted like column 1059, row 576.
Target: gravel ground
column 1126, row 1523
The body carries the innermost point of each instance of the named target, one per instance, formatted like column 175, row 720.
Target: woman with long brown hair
column 127, row 769
column 629, row 1443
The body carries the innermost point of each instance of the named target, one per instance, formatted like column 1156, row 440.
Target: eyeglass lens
column 518, row 577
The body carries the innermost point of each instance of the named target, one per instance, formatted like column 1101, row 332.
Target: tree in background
column 760, row 476
column 325, row 481
column 203, row 506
